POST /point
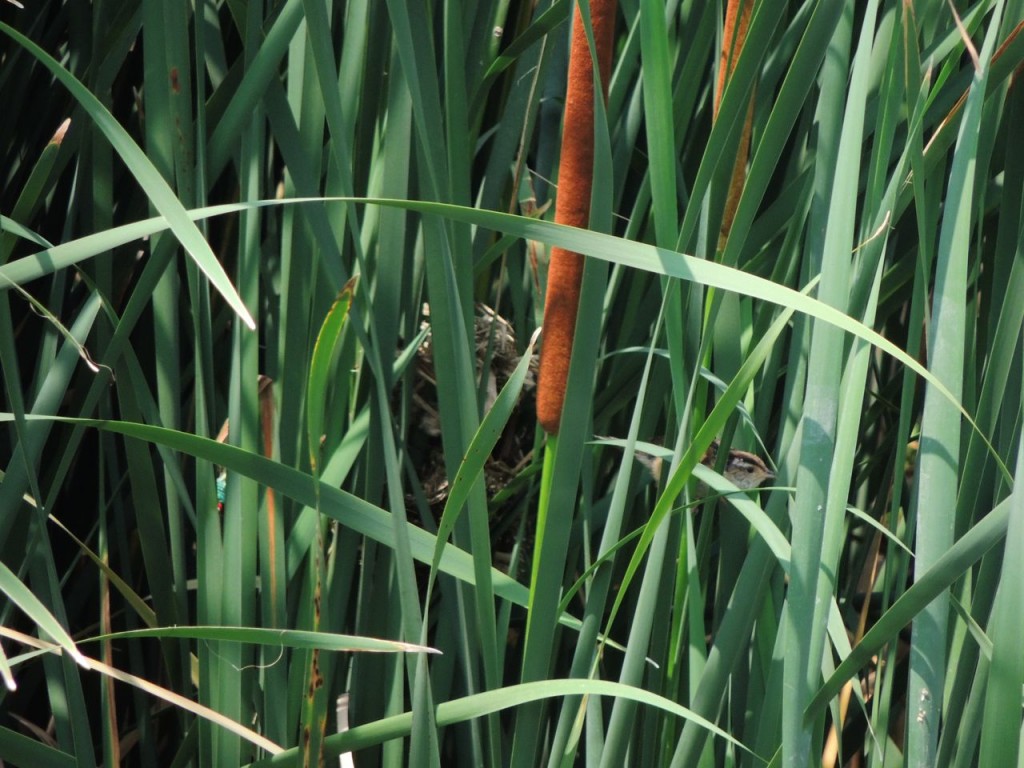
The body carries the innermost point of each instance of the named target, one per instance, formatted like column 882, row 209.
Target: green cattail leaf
column 320, row 369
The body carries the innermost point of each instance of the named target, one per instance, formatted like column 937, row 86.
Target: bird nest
column 496, row 354
column 496, row 357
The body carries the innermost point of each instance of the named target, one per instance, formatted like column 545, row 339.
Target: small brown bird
column 744, row 470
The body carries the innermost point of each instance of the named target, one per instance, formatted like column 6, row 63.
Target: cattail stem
column 575, row 180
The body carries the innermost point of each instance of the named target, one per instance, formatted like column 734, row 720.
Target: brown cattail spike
column 737, row 20
column 575, row 179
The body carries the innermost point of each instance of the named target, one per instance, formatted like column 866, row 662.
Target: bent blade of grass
column 891, row 537
column 470, row 707
column 56, row 257
column 149, row 178
column 351, row 511
column 601, row 246
column 292, row 638
column 12, row 227
column 153, row 689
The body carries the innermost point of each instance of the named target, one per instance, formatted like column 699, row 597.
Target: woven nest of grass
column 497, row 355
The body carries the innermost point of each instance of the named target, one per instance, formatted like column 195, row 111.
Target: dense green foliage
column 861, row 330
